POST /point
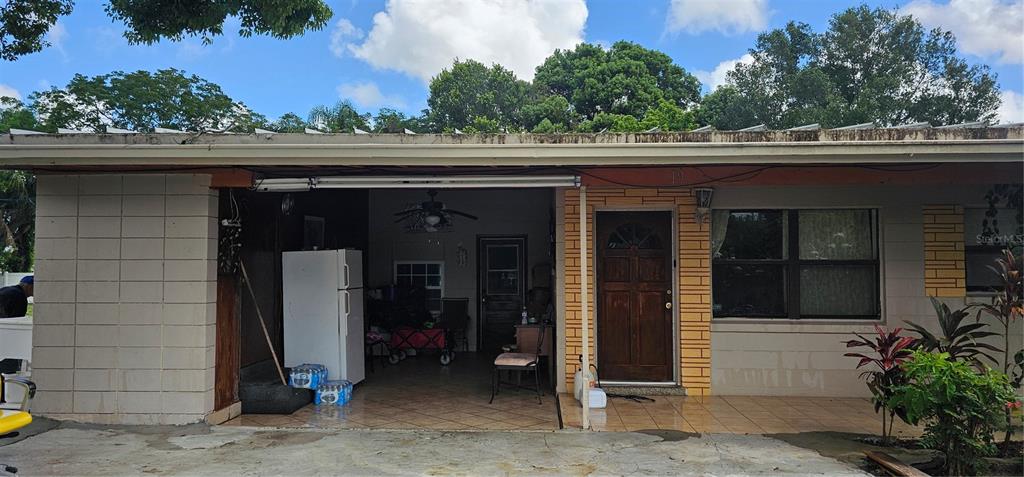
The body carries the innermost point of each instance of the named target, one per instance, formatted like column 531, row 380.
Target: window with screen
column 426, row 275
column 792, row 264
column 986, row 234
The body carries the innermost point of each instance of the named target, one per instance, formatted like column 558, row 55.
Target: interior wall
column 500, row 211
column 268, row 231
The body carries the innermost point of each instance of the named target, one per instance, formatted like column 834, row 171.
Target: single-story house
column 716, row 262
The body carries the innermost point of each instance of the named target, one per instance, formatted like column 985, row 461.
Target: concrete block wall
column 125, row 297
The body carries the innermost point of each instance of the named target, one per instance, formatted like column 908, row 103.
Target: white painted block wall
column 805, row 358
column 125, row 298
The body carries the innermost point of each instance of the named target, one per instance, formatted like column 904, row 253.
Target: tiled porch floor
column 735, row 414
column 418, row 393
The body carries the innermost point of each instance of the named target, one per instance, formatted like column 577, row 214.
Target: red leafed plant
column 890, row 350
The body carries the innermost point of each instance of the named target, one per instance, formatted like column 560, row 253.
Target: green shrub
column 960, row 406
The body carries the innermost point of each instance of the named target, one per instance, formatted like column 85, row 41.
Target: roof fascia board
column 63, row 155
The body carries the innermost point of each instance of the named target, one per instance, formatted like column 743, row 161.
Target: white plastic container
column 598, row 399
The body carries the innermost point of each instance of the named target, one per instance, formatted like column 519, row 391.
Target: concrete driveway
column 73, row 449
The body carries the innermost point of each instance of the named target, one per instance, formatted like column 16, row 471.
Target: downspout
column 585, row 309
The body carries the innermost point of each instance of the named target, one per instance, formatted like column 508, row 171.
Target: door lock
column 668, row 305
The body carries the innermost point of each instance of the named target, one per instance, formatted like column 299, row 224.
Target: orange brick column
column 694, row 267
column 944, row 273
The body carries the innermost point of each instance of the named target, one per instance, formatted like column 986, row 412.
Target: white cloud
column 343, row 32
column 729, row 17
column 421, row 37
column 56, row 36
column 9, row 91
column 1012, row 109
column 986, row 28
column 368, row 95
column 717, row 77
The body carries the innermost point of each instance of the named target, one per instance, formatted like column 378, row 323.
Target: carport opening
column 417, row 279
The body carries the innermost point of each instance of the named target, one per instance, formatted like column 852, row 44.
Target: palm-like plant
column 961, row 341
column 890, row 351
column 1007, row 306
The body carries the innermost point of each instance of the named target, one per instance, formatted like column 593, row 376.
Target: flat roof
column 826, row 146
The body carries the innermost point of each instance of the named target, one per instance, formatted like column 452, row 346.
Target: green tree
column 142, row 101
column 289, row 123
column 610, row 122
column 471, row 90
column 870, row 65
column 668, row 117
column 24, row 23
column 14, row 114
column 626, row 79
column 342, row 117
column 17, row 220
column 388, row 120
column 554, row 108
column 726, row 108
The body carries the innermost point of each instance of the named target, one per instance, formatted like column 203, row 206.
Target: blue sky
column 380, row 54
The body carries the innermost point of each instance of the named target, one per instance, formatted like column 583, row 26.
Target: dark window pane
column 419, row 281
column 752, row 235
column 839, row 290
column 403, row 269
column 434, row 281
column 749, row 290
column 837, row 234
column 404, row 281
column 979, row 276
column 503, row 257
column 434, row 268
column 419, row 268
column 634, row 235
column 502, row 283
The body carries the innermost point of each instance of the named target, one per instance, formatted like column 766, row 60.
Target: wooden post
column 585, row 304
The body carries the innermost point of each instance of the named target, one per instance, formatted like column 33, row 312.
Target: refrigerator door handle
column 346, row 274
column 348, row 304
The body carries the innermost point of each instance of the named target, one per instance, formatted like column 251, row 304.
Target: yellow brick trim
column 944, row 267
column 694, row 281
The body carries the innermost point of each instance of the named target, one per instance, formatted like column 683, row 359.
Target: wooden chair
column 519, row 362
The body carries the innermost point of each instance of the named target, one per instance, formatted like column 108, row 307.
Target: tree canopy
column 870, row 65
column 142, row 101
column 625, row 79
column 471, row 90
column 24, row 23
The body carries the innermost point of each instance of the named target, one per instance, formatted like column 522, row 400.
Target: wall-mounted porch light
column 703, row 195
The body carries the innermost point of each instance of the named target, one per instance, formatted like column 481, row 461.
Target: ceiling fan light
column 432, row 220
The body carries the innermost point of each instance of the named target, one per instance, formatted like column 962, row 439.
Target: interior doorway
column 502, row 284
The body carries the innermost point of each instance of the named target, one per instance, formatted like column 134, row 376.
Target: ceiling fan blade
column 468, row 216
column 408, row 212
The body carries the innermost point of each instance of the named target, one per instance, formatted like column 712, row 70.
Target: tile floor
column 418, row 393
column 735, row 414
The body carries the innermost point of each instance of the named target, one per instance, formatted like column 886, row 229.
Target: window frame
column 973, row 248
column 440, row 272
column 792, row 264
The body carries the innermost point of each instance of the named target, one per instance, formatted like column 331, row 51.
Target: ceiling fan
column 429, row 216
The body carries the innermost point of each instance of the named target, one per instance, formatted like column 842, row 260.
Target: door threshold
column 661, row 384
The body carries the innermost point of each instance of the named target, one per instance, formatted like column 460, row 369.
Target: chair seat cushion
column 515, row 359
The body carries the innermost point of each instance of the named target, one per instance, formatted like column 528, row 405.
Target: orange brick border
column 694, row 268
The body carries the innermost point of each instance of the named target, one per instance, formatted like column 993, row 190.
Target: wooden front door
column 502, row 289
column 634, row 296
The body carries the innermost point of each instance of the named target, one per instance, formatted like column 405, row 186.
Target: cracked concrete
column 74, row 449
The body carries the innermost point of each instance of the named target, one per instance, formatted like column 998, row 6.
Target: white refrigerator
column 323, row 311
